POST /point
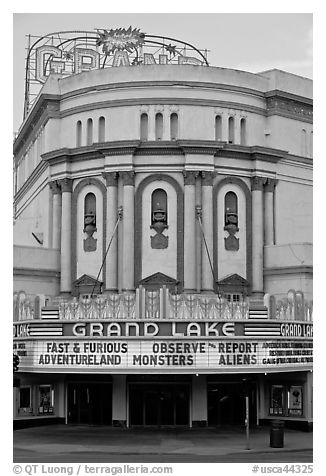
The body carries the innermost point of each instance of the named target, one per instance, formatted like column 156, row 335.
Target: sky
column 249, row 41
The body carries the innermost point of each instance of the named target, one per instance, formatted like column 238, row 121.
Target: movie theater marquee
column 166, row 346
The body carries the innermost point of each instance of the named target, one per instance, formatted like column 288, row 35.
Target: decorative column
column 65, row 281
column 207, row 222
column 236, row 129
column 257, row 184
column 269, row 211
column 111, row 276
column 56, row 214
column 128, row 283
column 189, row 231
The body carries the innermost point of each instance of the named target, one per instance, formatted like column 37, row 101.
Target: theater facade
column 162, row 237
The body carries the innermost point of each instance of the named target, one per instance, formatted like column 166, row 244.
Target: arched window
column 90, row 208
column 231, row 130
column 101, row 129
column 231, row 209
column 78, row 134
column 218, row 128
column 243, row 138
column 159, row 209
column 144, row 126
column 159, row 126
column 90, row 222
column 89, row 132
column 174, row 126
column 303, row 142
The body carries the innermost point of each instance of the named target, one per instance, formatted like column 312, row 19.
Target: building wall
column 197, row 96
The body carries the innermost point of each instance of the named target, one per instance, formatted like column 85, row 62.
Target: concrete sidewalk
column 224, row 441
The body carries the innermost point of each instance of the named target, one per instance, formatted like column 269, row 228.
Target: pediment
column 86, row 280
column 233, row 280
column 159, row 279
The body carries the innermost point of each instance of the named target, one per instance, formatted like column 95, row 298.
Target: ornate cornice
column 94, row 151
column 158, row 148
column 128, row 177
column 47, row 106
column 200, row 147
column 257, row 183
column 65, row 184
column 180, row 147
column 190, row 177
column 55, row 187
column 111, row 178
column 270, row 184
column 289, row 105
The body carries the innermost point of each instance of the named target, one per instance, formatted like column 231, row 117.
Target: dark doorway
column 226, row 404
column 90, row 403
column 159, row 405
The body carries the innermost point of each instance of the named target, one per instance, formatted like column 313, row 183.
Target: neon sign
column 73, row 52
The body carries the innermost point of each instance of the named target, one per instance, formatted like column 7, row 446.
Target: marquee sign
column 72, row 52
column 156, row 329
column 128, row 356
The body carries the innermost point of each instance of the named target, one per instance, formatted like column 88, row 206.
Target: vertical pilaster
column 207, row 222
column 65, row 257
column 166, row 125
column 189, row 231
column 199, row 237
column 257, row 184
column 56, row 214
column 111, row 278
column 269, row 211
column 225, row 128
column 236, row 129
column 128, row 231
column 151, row 124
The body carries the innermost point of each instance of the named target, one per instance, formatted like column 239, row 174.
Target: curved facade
column 166, row 194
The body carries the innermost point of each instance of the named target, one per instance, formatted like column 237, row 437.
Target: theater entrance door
column 159, row 405
column 90, row 403
column 226, row 404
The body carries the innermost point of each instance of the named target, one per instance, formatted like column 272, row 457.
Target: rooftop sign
column 72, row 52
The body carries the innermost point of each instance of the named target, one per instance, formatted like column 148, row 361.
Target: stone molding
column 128, row 177
column 32, row 179
column 257, row 183
column 190, row 177
column 65, row 184
column 111, row 178
column 285, row 270
column 270, row 185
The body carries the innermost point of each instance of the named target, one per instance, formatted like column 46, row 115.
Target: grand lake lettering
column 151, row 329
